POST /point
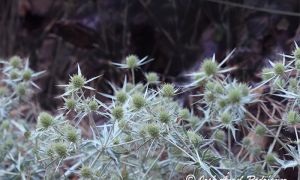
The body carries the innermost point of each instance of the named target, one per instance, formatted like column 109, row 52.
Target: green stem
column 133, row 76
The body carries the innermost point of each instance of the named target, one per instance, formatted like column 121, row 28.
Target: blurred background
column 178, row 34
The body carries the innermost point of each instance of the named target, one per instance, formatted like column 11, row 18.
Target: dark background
column 178, row 34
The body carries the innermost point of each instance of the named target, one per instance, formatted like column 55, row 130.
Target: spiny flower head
column 13, row 74
column 121, row 96
column 279, row 69
column 93, row 105
column 293, row 117
column 60, row 149
column 209, row 67
column 78, row 81
column 15, row 61
column 132, row 61
column 194, row 137
column 296, row 53
column 45, row 120
column 27, row 74
column 71, row 135
column 260, row 130
column 234, row 95
column 164, row 117
column 168, row 90
column 21, row 89
column 219, row 135
column 246, row 141
column 209, row 96
column 226, row 118
column 138, row 101
column 153, row 130
column 152, row 78
column 123, row 124
column 184, row 113
column 118, row 112
column 244, row 89
column 297, row 64
column 128, row 138
column 222, row 103
column 86, row 172
column 70, row 103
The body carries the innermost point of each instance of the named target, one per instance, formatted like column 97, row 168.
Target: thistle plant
column 16, row 150
column 141, row 130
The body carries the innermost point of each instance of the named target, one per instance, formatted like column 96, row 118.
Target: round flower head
column 209, row 96
column 234, row 95
column 244, row 89
column 246, row 142
column 209, row 67
column 168, row 90
column 164, row 117
column 297, row 53
column 15, row 61
column 70, row 103
column 13, row 74
column 138, row 101
column 132, row 61
column 21, row 89
column 118, row 112
column 153, row 130
column 279, row 69
column 60, row 149
column 184, row 113
column 222, row 103
column 293, row 117
column 293, row 83
column 210, row 86
column 219, row 135
column 27, row 74
column 123, row 124
column 152, row 78
column 194, row 137
column 45, row 120
column 193, row 120
column 218, row 88
column 71, row 135
column 121, row 97
column 86, row 172
column 93, row 105
column 258, row 168
column 128, row 138
column 255, row 150
column 297, row 64
column 260, row 130
column 77, row 81
column 226, row 118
